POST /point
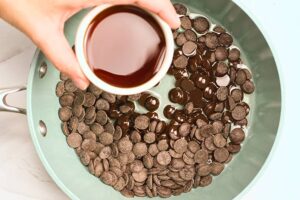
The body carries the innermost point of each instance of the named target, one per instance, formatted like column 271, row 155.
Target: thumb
column 56, row 48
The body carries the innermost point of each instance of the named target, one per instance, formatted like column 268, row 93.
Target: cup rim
column 80, row 54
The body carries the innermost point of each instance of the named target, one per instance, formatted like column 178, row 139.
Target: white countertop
column 22, row 175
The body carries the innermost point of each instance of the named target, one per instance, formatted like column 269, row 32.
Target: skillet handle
column 3, row 103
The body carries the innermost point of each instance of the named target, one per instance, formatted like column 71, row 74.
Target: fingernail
column 177, row 21
column 81, row 84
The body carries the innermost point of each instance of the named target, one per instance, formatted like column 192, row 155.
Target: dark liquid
column 125, row 46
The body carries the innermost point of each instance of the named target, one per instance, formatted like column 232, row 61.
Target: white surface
column 22, row 175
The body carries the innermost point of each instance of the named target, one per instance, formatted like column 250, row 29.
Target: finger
column 56, row 48
column 163, row 8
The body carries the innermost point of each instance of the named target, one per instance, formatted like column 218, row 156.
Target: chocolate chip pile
column 142, row 155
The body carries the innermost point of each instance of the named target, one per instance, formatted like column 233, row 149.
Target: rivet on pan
column 43, row 69
column 42, row 128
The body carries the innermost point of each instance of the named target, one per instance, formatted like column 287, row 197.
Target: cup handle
column 4, row 106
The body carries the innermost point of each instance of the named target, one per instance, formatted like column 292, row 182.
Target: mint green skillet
column 73, row 178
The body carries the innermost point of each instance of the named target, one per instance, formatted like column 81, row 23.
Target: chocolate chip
column 169, row 111
column 176, row 95
column 151, row 103
column 193, row 146
column 106, row 138
column 240, row 77
column 248, row 87
column 180, row 146
column 180, row 62
column 190, row 35
column 207, row 130
column 101, row 117
column 60, row 89
column 219, row 140
column 105, row 152
column 221, row 53
column 180, row 9
column 65, row 129
column 90, row 99
column 177, row 163
column 237, row 95
column 201, row 81
column 186, row 22
column 141, row 122
column 111, row 98
column 196, row 98
column 233, row 148
column 125, row 145
column 64, row 114
column 230, row 104
column 217, row 168
column 109, row 127
column 149, row 137
column 189, row 107
column 189, row 48
column 184, row 129
column 109, row 178
column 221, row 154
column 180, row 40
column 73, row 124
column 234, row 54
column 219, row 29
column 201, row 24
column 95, row 90
column 211, row 40
column 102, row 104
column 90, row 112
column 179, row 116
column 77, row 111
column 66, row 100
column 162, row 145
column 237, row 136
column 134, row 97
column 63, row 77
column 120, row 185
column 209, row 143
column 223, row 81
column 225, row 39
column 153, row 150
column 187, row 173
column 140, row 149
column 222, row 69
column 205, row 181
column 187, row 85
column 163, row 158
column 201, row 156
column 74, row 140
column 148, row 161
column 219, row 107
column 136, row 166
column 181, row 73
column 69, row 86
column 204, row 170
column 232, row 74
column 135, row 137
column 238, row 113
column 222, row 93
column 248, row 73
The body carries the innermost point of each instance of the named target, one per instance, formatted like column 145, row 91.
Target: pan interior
column 73, row 178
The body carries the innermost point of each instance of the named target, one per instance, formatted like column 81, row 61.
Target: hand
column 43, row 21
